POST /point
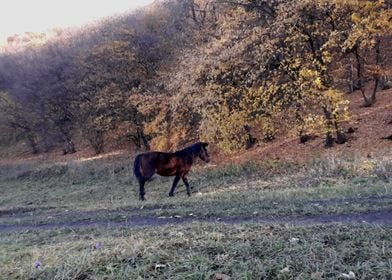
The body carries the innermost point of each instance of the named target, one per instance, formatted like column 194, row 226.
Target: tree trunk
column 33, row 144
column 376, row 76
column 330, row 128
column 190, row 4
column 369, row 101
column 359, row 81
column 145, row 142
column 350, row 80
column 68, row 147
column 341, row 138
column 96, row 140
column 140, row 139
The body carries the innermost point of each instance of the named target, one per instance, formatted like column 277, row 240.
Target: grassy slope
column 103, row 190
column 40, row 192
column 100, row 190
column 200, row 251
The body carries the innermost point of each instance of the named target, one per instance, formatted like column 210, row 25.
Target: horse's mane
column 194, row 149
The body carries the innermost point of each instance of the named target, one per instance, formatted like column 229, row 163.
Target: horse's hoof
column 171, row 194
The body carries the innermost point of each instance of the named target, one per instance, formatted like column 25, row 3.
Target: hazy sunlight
column 19, row 16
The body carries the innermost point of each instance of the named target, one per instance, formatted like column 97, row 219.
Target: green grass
column 199, row 251
column 104, row 190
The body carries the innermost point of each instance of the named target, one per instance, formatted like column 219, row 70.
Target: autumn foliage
column 228, row 72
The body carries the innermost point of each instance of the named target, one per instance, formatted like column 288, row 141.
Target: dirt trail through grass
column 384, row 218
column 12, row 220
column 95, row 195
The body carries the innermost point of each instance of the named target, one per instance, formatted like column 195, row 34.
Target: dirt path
column 35, row 218
column 382, row 218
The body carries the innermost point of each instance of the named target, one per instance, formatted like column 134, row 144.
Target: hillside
column 249, row 77
column 370, row 125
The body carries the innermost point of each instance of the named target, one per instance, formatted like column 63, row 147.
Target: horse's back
column 151, row 157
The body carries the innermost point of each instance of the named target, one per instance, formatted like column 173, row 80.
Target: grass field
column 95, row 193
column 200, row 251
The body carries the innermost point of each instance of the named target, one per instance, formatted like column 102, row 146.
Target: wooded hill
column 229, row 72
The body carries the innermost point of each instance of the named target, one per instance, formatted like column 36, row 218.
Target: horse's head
column 203, row 155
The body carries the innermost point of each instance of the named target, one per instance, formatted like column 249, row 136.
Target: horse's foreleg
column 141, row 189
column 176, row 179
column 188, row 189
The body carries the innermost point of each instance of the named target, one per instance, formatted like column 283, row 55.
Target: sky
column 19, row 16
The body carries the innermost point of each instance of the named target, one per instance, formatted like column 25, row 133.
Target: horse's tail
column 136, row 168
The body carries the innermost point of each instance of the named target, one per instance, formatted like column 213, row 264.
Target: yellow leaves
column 318, row 83
column 366, row 167
column 370, row 19
column 159, row 124
column 333, row 94
column 356, row 18
column 312, row 79
column 336, row 106
column 160, row 143
column 327, row 57
column 335, row 101
column 304, row 120
column 225, row 128
column 308, row 73
column 268, row 131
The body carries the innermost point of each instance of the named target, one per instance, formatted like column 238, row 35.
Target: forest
column 230, row 72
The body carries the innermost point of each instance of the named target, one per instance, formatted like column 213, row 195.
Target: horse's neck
column 190, row 152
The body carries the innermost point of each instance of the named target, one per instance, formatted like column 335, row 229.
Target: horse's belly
column 166, row 172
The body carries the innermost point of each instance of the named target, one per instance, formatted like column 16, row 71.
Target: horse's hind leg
column 188, row 189
column 141, row 189
column 175, row 182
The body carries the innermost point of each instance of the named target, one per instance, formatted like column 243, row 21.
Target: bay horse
column 176, row 164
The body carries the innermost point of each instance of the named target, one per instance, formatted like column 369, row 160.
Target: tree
column 313, row 32
column 276, row 62
column 108, row 75
column 371, row 22
column 17, row 123
column 36, row 80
